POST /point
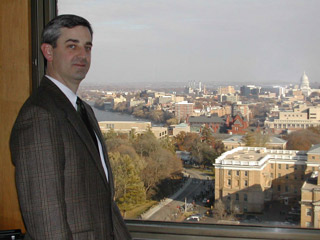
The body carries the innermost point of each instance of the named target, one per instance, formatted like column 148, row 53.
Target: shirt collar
column 67, row 91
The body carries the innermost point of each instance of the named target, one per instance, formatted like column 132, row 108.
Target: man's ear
column 47, row 52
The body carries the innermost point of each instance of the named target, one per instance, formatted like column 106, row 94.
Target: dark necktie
column 83, row 114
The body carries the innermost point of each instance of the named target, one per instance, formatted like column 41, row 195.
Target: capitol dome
column 304, row 83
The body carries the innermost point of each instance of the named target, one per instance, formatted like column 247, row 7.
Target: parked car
column 193, row 218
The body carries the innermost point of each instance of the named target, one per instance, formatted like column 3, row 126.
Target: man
column 63, row 175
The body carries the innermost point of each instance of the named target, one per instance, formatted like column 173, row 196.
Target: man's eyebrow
column 77, row 41
column 72, row 40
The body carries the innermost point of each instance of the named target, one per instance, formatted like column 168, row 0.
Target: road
column 196, row 186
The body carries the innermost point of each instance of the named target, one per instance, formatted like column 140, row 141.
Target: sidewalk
column 166, row 201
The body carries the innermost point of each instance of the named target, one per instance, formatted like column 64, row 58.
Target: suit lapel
column 96, row 128
column 63, row 103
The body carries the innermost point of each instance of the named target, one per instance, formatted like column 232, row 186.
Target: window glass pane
column 171, row 81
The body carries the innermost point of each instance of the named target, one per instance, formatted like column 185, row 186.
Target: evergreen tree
column 129, row 188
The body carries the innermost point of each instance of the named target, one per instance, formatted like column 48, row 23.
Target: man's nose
column 82, row 52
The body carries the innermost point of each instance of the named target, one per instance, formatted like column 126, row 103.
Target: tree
column 160, row 164
column 172, row 121
column 207, row 136
column 220, row 210
column 184, row 141
column 256, row 139
column 249, row 139
column 129, row 188
column 302, row 139
column 167, row 143
column 146, row 143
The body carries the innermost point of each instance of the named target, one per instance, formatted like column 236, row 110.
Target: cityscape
column 244, row 154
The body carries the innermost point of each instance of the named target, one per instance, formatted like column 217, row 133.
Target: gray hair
column 52, row 32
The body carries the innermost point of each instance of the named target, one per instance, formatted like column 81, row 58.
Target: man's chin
column 80, row 76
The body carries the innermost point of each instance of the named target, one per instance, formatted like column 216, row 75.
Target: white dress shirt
column 73, row 99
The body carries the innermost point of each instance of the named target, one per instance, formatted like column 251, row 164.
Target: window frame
column 42, row 11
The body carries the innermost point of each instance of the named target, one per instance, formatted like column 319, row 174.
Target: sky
column 217, row 42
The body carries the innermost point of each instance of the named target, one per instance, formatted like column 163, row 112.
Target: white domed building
column 304, row 85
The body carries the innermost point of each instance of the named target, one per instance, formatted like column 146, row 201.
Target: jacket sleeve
column 38, row 154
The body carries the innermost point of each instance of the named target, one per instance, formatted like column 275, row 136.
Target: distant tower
column 304, row 85
column 199, row 86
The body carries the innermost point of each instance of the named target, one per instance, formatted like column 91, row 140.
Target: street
column 197, row 187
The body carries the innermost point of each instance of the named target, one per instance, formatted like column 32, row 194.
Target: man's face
column 71, row 57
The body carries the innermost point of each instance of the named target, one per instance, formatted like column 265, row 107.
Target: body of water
column 107, row 115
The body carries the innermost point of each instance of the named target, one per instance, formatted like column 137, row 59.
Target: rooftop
column 257, row 157
column 315, row 149
column 311, row 182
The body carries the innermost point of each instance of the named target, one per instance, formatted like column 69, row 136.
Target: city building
column 310, row 202
column 214, row 122
column 239, row 141
column 250, row 177
column 310, row 192
column 183, row 110
column 165, row 99
column 124, row 126
column 304, row 85
column 241, row 108
column 221, row 110
column 174, row 130
column 236, row 124
column 300, row 117
column 230, row 97
column 115, row 101
column 250, row 91
column 226, row 90
column 160, row 132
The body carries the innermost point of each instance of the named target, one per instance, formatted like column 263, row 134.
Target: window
column 295, row 167
column 279, row 188
column 279, row 175
column 279, row 166
column 238, row 172
column 237, row 196
column 245, row 197
column 286, row 188
column 309, row 212
column 229, row 172
column 245, row 209
column 246, row 183
column 287, row 166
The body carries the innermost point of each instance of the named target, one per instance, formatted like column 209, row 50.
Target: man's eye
column 72, row 46
column 88, row 48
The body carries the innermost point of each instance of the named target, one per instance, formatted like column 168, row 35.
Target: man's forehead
column 80, row 33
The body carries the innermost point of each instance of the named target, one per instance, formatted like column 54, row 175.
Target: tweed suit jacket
column 62, row 188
